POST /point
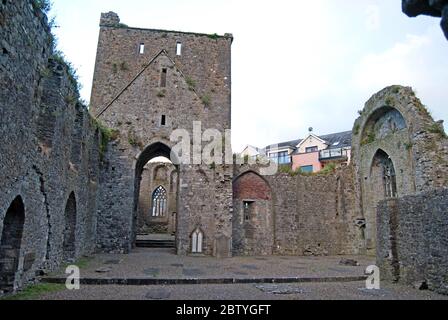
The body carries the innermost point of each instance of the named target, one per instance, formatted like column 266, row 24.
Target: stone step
column 203, row 281
column 155, row 244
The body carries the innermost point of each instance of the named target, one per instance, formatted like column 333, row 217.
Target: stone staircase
column 156, row 241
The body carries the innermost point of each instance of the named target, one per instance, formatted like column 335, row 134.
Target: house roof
column 343, row 140
column 289, row 144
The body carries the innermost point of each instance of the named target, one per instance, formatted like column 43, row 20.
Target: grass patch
column 191, row 84
column 437, row 129
column 133, row 140
column 356, row 129
column 390, row 101
column 206, row 100
column 213, row 36
column 35, row 291
column 369, row 138
column 107, row 135
column 422, row 109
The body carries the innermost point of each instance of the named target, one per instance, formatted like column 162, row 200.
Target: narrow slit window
column 163, row 77
column 141, row 48
column 179, row 49
column 163, row 121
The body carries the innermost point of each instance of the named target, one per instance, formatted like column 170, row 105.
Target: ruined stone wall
column 49, row 146
column 313, row 215
column 253, row 219
column 396, row 123
column 413, row 241
column 146, row 96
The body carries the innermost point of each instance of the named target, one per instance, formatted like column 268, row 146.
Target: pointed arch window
column 390, row 180
column 159, row 202
column 197, row 239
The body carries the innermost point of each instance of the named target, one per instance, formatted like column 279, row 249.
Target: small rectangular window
column 163, row 121
column 179, row 49
column 312, row 149
column 141, row 48
column 163, row 77
column 307, row 169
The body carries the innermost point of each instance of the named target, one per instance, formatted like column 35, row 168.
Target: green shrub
column 43, row 5
column 206, row 100
column 214, row 36
column 191, row 84
column 106, row 135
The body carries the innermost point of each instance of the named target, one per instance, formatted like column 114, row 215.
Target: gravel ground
column 163, row 264
column 322, row 291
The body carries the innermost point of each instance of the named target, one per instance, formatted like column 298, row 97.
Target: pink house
column 314, row 152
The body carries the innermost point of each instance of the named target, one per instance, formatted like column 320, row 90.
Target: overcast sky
column 295, row 64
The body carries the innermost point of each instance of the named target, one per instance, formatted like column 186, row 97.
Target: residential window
column 281, row 157
column 311, row 149
column 179, row 49
column 141, row 48
column 307, row 169
column 163, row 77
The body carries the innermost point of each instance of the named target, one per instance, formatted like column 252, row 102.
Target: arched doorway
column 69, row 244
column 156, row 197
column 383, row 185
column 11, row 241
column 253, row 218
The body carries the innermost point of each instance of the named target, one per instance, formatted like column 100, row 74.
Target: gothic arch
column 253, row 216
column 381, row 123
column 69, row 242
column 159, row 203
column 197, row 241
column 154, row 150
column 10, row 244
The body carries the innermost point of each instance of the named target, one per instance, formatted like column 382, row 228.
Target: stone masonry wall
column 313, row 215
column 145, row 97
column 49, row 145
column 418, row 151
column 413, row 241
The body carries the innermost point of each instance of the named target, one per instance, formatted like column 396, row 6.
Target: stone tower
column 148, row 83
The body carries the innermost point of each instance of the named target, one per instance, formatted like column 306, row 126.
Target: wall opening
column 156, row 195
column 163, row 76
column 197, row 241
column 11, row 241
column 380, row 185
column 141, row 48
column 163, row 121
column 179, row 49
column 69, row 244
column 159, row 202
column 253, row 216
